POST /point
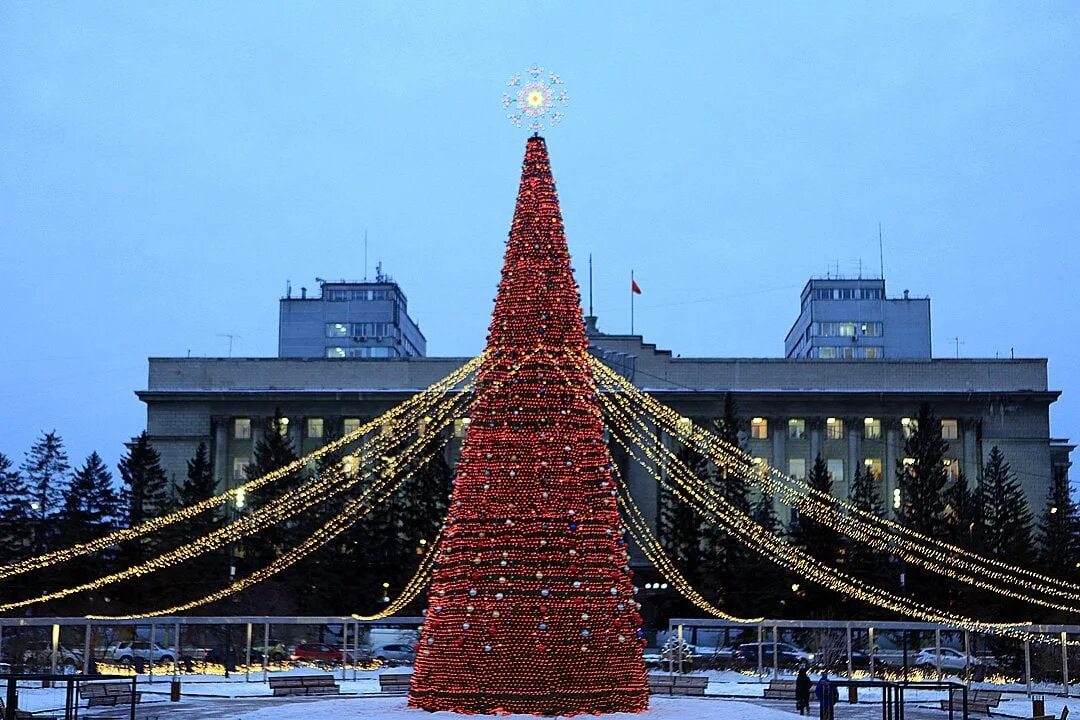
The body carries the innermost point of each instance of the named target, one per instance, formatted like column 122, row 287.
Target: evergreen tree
column 45, row 469
column 1006, row 518
column 921, row 483
column 147, row 492
column 862, row 561
column 199, row 484
column 91, row 505
column 817, row 539
column 679, row 525
column 961, row 514
column 726, row 559
column 768, row 585
column 15, row 500
column 1059, row 530
column 273, row 451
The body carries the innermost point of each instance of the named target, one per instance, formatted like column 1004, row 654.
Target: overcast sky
column 165, row 168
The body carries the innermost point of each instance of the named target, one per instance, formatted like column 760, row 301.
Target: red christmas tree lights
column 531, row 608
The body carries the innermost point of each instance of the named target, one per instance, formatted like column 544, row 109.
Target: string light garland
column 717, row 509
column 531, row 605
column 855, row 522
column 416, row 584
column 416, row 406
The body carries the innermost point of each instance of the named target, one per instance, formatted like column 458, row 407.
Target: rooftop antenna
column 365, row 254
column 881, row 250
column 288, row 289
column 590, row 285
column 958, row 343
column 231, row 338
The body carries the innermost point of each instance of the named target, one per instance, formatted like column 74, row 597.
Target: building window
column 873, row 465
column 847, row 352
column 239, row 465
column 796, row 429
column 952, row 469
column 870, row 329
column 847, row 329
column 907, row 425
column 759, row 428
column 826, row 353
column 349, row 425
column 335, row 352
column 796, row 468
column 337, row 330
column 241, row 428
column 836, row 469
column 834, row 429
column 314, row 427
column 461, row 426
column 872, row 352
column 872, row 428
column 950, row 430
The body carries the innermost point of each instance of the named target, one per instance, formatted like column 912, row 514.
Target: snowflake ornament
column 535, row 98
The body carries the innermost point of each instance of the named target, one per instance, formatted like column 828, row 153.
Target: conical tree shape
column 531, row 608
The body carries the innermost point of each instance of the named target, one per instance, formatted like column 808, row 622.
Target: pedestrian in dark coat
column 827, row 696
column 802, row 692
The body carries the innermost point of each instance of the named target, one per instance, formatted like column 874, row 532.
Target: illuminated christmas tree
column 531, row 608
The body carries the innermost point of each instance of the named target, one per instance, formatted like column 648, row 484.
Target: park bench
column 667, row 684
column 780, row 690
column 979, row 701
column 99, row 694
column 304, row 685
column 25, row 715
column 395, row 683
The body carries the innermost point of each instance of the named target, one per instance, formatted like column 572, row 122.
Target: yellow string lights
column 328, row 484
column 419, row 404
column 880, row 533
column 416, row 584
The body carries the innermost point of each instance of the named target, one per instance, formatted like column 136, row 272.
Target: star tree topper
column 535, row 98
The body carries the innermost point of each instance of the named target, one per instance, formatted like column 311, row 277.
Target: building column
column 814, row 428
column 219, row 461
column 854, row 438
column 779, row 443
column 893, row 444
column 971, row 456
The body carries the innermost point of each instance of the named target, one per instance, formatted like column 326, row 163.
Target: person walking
column 827, row 696
column 802, row 691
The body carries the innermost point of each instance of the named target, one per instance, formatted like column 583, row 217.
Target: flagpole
column 590, row 284
column 631, row 302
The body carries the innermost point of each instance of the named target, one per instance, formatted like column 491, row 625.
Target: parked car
column 320, row 653
column 394, row 654
column 953, row 661
column 275, row 651
column 786, row 654
column 126, row 651
column 39, row 654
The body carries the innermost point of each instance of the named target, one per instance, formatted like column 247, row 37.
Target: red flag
column 634, row 287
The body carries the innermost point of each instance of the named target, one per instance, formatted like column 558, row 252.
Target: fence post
column 55, row 647
column 1065, row 662
column 775, row 652
column 850, row 664
column 87, row 657
column 247, row 658
column 967, row 658
column 176, row 651
column 266, row 650
column 937, row 653
column 1027, row 664
column 870, row 632
column 760, row 652
column 153, row 646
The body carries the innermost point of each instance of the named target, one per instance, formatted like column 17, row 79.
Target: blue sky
column 165, row 168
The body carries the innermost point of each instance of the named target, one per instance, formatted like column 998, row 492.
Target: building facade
column 842, row 319
column 349, row 320
column 854, row 414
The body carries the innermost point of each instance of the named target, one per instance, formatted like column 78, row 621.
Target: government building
column 854, row 409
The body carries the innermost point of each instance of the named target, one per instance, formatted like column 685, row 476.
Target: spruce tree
column 45, row 469
column 1059, row 530
column 726, row 559
column 146, row 492
column 921, row 483
column 768, row 585
column 679, row 525
column 864, row 562
column 199, row 484
column 15, row 512
column 1006, row 518
column 273, row 451
column 962, row 505
column 817, row 539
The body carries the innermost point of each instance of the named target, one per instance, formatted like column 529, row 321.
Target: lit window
column 350, row 425
column 836, row 469
column 872, row 428
column 950, row 429
column 870, row 329
column 797, row 468
column 873, row 465
column 847, row 329
column 238, row 466
column 872, row 352
column 834, row 428
column 242, row 428
column 337, row 330
column 827, row 353
column 314, row 427
column 846, row 352
column 759, row 428
column 796, row 429
column 381, row 352
column 952, row 468
column 908, row 426
column 461, row 426
column 335, row 352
